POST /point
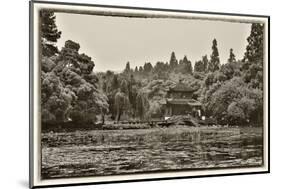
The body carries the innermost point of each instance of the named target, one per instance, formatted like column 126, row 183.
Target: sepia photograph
column 129, row 93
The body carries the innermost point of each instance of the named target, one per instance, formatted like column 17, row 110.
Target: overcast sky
column 112, row 41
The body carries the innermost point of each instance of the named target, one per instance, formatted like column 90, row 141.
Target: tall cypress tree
column 205, row 62
column 187, row 64
column 173, row 60
column 49, row 32
column 253, row 58
column 254, row 49
column 128, row 68
column 136, row 69
column 231, row 58
column 214, row 63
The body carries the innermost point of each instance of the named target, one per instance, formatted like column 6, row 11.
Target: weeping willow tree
column 121, row 104
column 142, row 105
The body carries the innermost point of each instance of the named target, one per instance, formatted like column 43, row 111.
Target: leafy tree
column 156, row 110
column 86, row 65
column 132, row 99
column 184, row 66
column 147, row 68
column 180, row 61
column 128, row 68
column 231, row 58
column 115, row 82
column 233, row 102
column 112, row 88
column 90, row 102
column 243, row 111
column 231, row 69
column 47, row 64
column 202, row 65
column 160, row 70
column 256, row 116
column 159, row 67
column 235, row 114
column 187, row 64
column 136, row 69
column 224, row 96
column 210, row 79
column 173, row 60
column 49, row 32
column 199, row 66
column 55, row 99
column 124, row 86
column 69, row 56
column 214, row 63
column 76, row 95
column 142, row 104
column 121, row 104
column 109, row 74
column 205, row 62
column 104, row 84
column 254, row 49
column 253, row 58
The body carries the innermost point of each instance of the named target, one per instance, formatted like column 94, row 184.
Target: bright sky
column 112, row 41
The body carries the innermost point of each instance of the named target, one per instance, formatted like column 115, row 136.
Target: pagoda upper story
column 179, row 101
column 180, row 91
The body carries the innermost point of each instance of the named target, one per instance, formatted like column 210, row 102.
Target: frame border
column 31, row 97
column 31, row 72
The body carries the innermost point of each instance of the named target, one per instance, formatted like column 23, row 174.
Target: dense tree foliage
column 147, row 68
column 173, row 60
column 49, row 32
column 68, row 85
column 253, row 58
column 231, row 93
column 185, row 66
column 128, row 68
column 142, row 105
column 201, row 65
column 254, row 49
column 214, row 63
column 205, row 62
column 136, row 69
column 231, row 56
column 225, row 93
column 234, row 103
column 160, row 70
column 121, row 104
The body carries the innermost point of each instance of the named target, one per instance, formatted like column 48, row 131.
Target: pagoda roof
column 181, row 87
column 190, row 102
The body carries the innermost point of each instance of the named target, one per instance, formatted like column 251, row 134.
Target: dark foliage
column 49, row 32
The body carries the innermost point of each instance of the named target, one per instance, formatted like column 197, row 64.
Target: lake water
column 109, row 152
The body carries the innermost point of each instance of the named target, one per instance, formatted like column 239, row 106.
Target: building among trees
column 179, row 101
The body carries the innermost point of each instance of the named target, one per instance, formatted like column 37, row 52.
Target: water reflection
column 94, row 153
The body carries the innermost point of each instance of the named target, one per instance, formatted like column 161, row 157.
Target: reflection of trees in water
column 127, row 151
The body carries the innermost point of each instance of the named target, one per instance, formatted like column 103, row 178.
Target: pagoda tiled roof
column 181, row 87
column 190, row 102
